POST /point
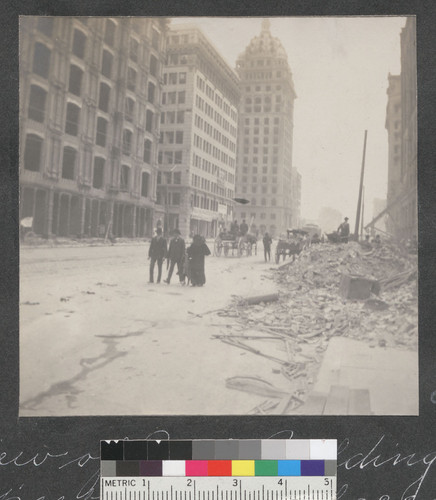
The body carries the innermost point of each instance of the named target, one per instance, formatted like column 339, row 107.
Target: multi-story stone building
column 197, row 150
column 265, row 143
column 401, row 124
column 89, row 118
column 393, row 127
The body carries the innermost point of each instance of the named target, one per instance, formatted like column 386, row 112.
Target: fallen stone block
column 357, row 287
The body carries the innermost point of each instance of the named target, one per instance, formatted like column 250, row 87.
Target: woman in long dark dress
column 196, row 253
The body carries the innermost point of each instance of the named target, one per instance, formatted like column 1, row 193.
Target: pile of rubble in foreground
column 311, row 308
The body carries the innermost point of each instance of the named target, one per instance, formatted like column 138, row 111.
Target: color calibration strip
column 219, row 458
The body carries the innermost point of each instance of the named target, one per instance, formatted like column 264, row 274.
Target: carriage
column 236, row 245
column 291, row 244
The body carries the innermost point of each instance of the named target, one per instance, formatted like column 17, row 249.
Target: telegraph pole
column 359, row 202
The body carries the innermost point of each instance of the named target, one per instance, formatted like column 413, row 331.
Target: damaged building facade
column 265, row 174
column 89, row 124
column 401, row 124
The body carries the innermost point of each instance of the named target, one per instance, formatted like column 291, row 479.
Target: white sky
column 340, row 70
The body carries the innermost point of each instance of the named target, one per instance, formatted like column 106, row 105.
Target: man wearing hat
column 157, row 253
column 176, row 254
column 344, row 231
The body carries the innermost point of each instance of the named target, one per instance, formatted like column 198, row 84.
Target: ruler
column 219, row 488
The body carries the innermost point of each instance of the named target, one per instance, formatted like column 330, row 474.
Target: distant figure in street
column 243, row 228
column 234, row 228
column 196, row 253
column 267, row 246
column 157, row 253
column 176, row 253
column 344, row 231
column 377, row 240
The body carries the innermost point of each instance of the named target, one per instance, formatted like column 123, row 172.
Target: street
column 96, row 339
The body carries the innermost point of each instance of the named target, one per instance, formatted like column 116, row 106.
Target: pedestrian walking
column 243, row 228
column 196, row 253
column 157, row 253
column 176, row 253
column 344, row 231
column 234, row 228
column 267, row 246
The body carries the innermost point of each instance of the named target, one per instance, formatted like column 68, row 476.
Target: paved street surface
column 96, row 339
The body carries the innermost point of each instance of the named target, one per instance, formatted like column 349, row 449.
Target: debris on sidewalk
column 329, row 291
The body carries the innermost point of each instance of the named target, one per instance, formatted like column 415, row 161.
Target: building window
column 147, row 151
column 129, row 109
column 182, row 97
column 124, row 178
column 151, row 92
column 131, row 79
column 98, row 174
column 172, row 78
column 41, row 60
column 32, row 153
column 101, row 131
column 144, row 184
column 172, row 97
column 175, row 199
column 180, row 116
column 178, row 155
column 37, row 100
column 155, row 39
column 69, row 163
column 106, row 64
column 182, row 78
column 45, row 25
column 79, row 44
column 75, row 82
column 127, row 142
column 103, row 100
column 273, row 202
column 179, row 137
column 177, row 178
column 149, row 121
column 109, row 33
column 134, row 49
column 72, row 119
column 153, row 65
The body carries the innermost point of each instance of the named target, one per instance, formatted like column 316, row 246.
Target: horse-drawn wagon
column 291, row 244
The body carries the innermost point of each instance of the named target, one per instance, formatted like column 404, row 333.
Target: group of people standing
column 189, row 261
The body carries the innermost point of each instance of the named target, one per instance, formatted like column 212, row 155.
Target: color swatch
column 219, row 458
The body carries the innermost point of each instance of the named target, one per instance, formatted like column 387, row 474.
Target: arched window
column 106, row 63
column 147, row 151
column 75, row 82
column 125, row 178
column 127, row 142
column 144, row 184
column 79, row 44
column 32, row 153
column 101, row 134
column 103, row 100
column 149, row 121
column 37, row 99
column 129, row 109
column 109, row 33
column 41, row 60
column 72, row 119
column 69, row 163
column 98, row 174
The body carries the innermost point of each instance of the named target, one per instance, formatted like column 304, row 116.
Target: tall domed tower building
column 264, row 166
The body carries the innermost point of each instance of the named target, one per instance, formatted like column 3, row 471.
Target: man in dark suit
column 157, row 253
column 176, row 254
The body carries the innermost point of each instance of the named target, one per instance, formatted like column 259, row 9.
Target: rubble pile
column 311, row 310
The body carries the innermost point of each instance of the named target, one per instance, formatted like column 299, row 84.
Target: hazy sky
column 340, row 68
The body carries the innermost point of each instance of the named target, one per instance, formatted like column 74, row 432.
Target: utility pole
column 359, row 202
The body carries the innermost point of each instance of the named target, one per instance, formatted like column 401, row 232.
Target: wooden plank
column 314, row 404
column 337, row 400
column 359, row 402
